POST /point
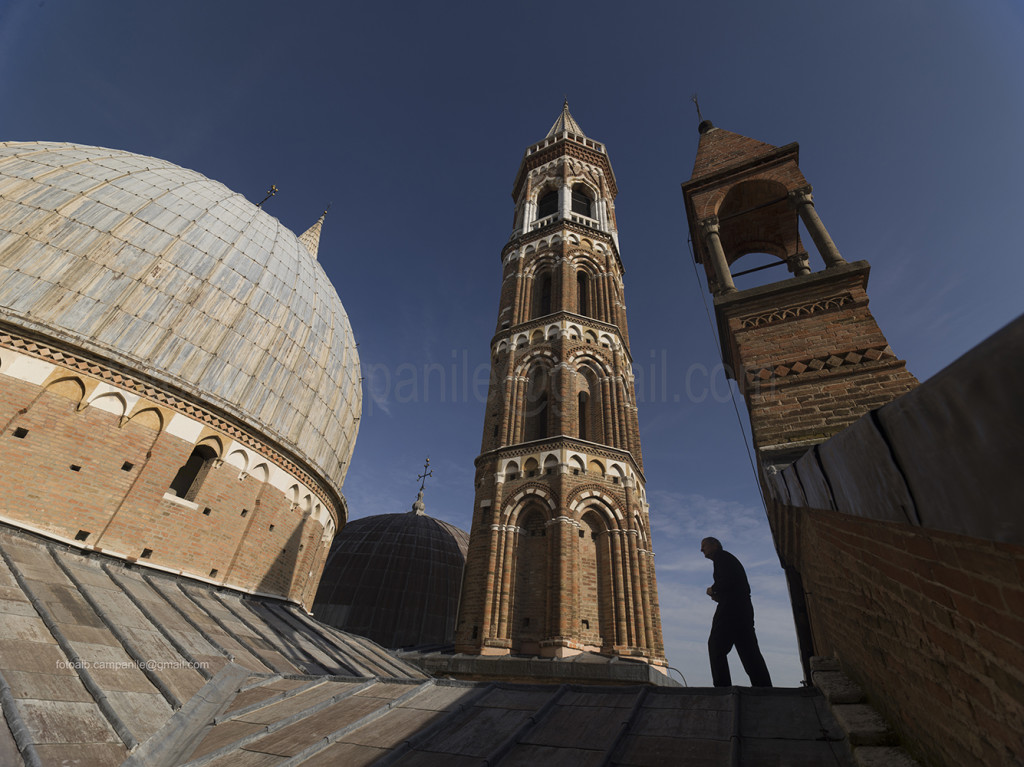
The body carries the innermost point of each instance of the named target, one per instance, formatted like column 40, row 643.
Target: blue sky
column 411, row 118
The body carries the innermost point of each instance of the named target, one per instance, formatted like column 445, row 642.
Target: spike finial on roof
column 311, row 237
column 419, row 506
column 565, row 123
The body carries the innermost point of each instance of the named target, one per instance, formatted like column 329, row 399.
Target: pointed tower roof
column 721, row 148
column 565, row 123
column 311, row 237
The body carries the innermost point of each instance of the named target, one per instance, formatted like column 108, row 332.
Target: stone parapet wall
column 905, row 533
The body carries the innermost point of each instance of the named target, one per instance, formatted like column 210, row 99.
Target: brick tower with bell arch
column 560, row 559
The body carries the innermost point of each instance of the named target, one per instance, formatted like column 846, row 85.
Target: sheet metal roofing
column 96, row 657
column 174, row 276
column 102, row 664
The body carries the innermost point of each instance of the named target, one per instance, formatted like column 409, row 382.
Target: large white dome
column 177, row 278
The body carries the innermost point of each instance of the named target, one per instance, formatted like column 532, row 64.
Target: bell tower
column 806, row 352
column 560, row 558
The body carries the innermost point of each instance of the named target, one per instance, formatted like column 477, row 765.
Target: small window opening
column 82, row 535
column 581, row 533
column 126, row 466
column 582, row 305
column 586, row 623
column 576, row 472
column 75, row 467
column 207, row 511
column 547, row 205
column 271, row 528
column 213, row 573
column 146, row 554
column 475, row 632
column 580, row 201
column 20, row 433
column 245, row 512
column 190, row 477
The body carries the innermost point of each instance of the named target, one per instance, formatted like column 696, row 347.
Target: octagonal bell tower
column 560, row 558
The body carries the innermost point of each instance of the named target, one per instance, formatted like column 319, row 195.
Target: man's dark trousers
column 733, row 625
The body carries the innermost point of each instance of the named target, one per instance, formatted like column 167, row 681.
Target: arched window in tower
column 190, row 477
column 595, row 605
column 581, row 202
column 547, row 204
column 588, row 402
column 582, row 293
column 542, row 293
column 529, row 597
column 537, row 411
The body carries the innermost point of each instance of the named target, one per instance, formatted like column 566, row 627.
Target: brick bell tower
column 560, row 558
column 806, row 352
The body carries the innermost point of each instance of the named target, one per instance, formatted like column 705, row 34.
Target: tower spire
column 565, row 123
column 311, row 237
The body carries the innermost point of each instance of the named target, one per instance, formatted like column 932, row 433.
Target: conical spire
column 565, row 123
column 311, row 237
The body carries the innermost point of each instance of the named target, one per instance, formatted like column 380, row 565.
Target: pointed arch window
column 547, row 204
column 542, row 294
column 537, row 415
column 190, row 477
column 581, row 202
column 588, row 402
column 582, row 290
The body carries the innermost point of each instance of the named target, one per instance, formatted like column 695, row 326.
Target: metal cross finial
column 427, row 472
column 270, row 193
column 696, row 104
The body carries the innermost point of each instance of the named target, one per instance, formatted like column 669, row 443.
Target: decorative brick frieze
column 92, row 456
column 792, row 312
column 818, row 364
column 82, row 365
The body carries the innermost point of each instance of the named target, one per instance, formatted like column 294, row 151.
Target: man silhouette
column 733, row 624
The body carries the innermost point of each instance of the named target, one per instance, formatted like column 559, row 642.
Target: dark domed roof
column 394, row 578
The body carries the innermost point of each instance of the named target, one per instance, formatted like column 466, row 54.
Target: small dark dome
column 394, row 578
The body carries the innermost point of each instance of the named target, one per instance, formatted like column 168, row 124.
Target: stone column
column 718, row 261
column 529, row 214
column 564, row 200
column 492, row 604
column 617, row 587
column 803, row 202
column 798, row 265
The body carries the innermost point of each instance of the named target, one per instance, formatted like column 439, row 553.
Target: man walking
column 733, row 624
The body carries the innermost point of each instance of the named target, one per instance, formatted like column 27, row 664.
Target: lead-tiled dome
column 177, row 277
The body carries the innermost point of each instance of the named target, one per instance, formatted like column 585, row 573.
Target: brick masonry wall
column 906, row 532
column 83, row 475
column 808, row 355
column 929, row 623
